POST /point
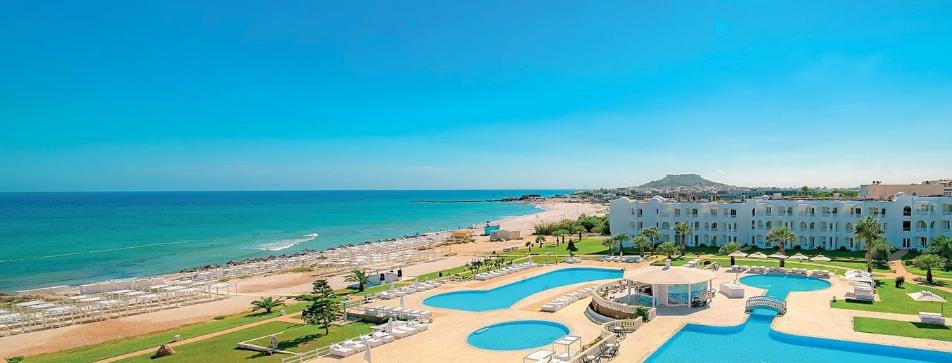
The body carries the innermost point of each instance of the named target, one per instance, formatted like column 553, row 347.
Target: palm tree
column 942, row 246
column 560, row 236
column 652, row 233
column 529, row 244
column 868, row 230
column 619, row 239
column 667, row 248
column 267, row 304
column 360, row 277
column 683, row 229
column 642, row 242
column 729, row 248
column 928, row 262
column 540, row 239
column 577, row 228
column 781, row 235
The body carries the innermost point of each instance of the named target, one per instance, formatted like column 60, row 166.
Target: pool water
column 754, row 341
column 779, row 285
column 504, row 296
column 516, row 335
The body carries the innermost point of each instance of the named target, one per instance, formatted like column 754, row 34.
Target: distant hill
column 683, row 180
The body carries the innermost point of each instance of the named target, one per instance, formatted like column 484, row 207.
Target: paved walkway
column 895, row 264
column 284, row 318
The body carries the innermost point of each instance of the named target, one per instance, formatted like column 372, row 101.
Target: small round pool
column 779, row 285
column 516, row 335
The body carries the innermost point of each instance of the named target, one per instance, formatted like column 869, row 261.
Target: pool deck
column 809, row 313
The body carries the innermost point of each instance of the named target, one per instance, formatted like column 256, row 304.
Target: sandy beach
column 284, row 284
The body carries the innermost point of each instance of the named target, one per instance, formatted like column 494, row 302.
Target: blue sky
column 188, row 95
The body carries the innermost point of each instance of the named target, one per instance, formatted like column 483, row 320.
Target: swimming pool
column 516, row 335
column 754, row 341
column 506, row 295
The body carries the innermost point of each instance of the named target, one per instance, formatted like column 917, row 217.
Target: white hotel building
column 908, row 221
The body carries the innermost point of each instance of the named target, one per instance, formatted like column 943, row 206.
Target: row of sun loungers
column 503, row 271
column 692, row 263
column 382, row 334
column 567, row 299
column 400, row 313
column 407, row 290
column 27, row 316
column 625, row 259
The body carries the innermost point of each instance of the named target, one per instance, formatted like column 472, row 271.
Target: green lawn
column 902, row 328
column 222, row 349
column 895, row 300
column 588, row 246
column 304, row 337
column 128, row 345
column 938, row 274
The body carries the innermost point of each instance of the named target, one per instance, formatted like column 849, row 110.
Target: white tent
column 820, row 258
column 929, row 297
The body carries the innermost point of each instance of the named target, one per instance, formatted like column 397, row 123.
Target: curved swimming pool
column 516, row 335
column 504, row 296
column 755, row 341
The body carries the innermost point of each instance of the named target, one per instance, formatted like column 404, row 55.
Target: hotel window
column 834, row 211
column 906, row 211
column 906, row 225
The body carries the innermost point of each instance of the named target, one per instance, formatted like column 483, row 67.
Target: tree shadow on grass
column 294, row 343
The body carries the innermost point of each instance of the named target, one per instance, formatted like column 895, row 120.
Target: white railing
column 623, row 326
column 308, row 355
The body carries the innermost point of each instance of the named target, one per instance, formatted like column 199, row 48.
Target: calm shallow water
column 51, row 239
column 516, row 335
column 506, row 295
column 754, row 341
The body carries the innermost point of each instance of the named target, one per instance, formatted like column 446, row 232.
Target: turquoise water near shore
column 49, row 239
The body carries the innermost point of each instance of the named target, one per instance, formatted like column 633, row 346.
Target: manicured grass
column 587, row 246
column 128, row 345
column 305, row 337
column 222, row 349
column 895, row 300
column 902, row 328
column 937, row 273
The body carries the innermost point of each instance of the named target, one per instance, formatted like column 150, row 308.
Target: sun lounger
column 354, row 345
column 341, row 351
column 931, row 318
column 383, row 337
column 369, row 340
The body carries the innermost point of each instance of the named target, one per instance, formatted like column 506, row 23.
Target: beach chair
column 341, row 351
column 931, row 318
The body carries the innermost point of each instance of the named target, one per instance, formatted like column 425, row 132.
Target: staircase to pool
column 766, row 302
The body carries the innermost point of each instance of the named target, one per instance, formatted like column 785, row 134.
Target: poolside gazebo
column 673, row 285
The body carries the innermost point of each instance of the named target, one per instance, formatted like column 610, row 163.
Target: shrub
column 842, row 248
column 219, row 317
column 899, row 281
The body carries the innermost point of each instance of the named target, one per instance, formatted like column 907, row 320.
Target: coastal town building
column 930, row 188
column 908, row 221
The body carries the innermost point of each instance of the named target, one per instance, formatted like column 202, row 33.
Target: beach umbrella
column 799, row 256
column 736, row 254
column 401, row 301
column 757, row 254
column 928, row 296
column 820, row 258
column 778, row 255
column 390, row 325
column 367, row 356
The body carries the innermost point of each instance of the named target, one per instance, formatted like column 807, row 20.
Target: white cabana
column 928, row 296
column 673, row 285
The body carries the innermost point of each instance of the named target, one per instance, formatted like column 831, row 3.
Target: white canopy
column 799, row 256
column 757, row 254
column 926, row 296
column 778, row 255
column 674, row 275
column 820, row 258
column 738, row 254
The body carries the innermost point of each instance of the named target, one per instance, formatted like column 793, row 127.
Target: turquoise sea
column 49, row 239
